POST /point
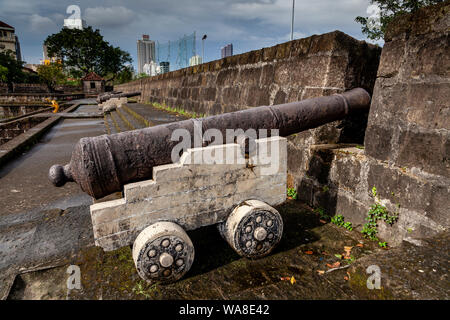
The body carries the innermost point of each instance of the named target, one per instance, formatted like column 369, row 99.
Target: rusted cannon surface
column 106, row 97
column 102, row 165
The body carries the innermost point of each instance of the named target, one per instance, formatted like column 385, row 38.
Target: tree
column 385, row 11
column 52, row 74
column 13, row 72
column 125, row 75
column 87, row 51
column 3, row 74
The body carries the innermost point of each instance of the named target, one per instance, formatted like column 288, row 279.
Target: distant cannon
column 102, row 165
column 106, row 97
column 106, row 94
column 111, row 101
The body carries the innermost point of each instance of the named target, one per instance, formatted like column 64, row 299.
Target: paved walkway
column 24, row 184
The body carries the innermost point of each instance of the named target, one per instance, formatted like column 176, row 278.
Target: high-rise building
column 145, row 52
column 165, row 66
column 195, row 60
column 46, row 59
column 227, row 51
column 9, row 41
column 152, row 69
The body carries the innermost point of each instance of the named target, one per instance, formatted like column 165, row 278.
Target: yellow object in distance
column 54, row 104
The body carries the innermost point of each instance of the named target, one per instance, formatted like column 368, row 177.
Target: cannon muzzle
column 102, row 165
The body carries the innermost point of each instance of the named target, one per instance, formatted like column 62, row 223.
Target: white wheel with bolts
column 253, row 229
column 163, row 252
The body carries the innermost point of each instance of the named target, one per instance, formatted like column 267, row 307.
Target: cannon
column 162, row 198
column 106, row 94
column 118, row 95
column 102, row 165
column 110, row 101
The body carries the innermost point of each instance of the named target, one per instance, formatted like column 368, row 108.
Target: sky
column 248, row 24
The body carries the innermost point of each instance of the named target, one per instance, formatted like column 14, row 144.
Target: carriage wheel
column 253, row 229
column 163, row 252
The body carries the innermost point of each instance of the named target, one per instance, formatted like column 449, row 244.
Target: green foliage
column 124, row 76
column 3, row 74
column 142, row 75
column 377, row 212
column 86, row 50
column 51, row 74
column 291, row 192
column 11, row 70
column 339, row 221
column 350, row 260
column 145, row 290
column 323, row 215
column 389, row 10
column 382, row 244
column 178, row 110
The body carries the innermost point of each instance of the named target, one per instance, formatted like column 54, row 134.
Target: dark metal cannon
column 106, row 94
column 102, row 165
column 106, row 97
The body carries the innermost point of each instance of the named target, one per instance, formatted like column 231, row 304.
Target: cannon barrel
column 118, row 95
column 102, row 165
column 106, row 95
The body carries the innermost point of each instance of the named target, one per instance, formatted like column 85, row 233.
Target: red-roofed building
column 93, row 84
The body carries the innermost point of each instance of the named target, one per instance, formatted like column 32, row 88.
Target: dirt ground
column 309, row 263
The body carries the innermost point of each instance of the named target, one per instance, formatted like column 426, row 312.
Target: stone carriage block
column 192, row 195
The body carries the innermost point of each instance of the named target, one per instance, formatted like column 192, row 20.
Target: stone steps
column 118, row 123
column 130, row 120
column 136, row 116
column 150, row 115
column 143, row 122
column 109, row 124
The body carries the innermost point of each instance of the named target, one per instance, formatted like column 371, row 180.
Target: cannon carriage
column 163, row 198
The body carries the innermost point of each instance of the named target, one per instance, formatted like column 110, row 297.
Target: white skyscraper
column 195, row 60
column 145, row 52
column 152, row 69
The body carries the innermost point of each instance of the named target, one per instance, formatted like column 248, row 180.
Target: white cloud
column 109, row 17
column 40, row 24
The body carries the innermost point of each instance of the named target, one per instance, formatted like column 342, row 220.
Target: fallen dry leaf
column 309, row 252
column 293, row 280
column 334, row 265
column 347, row 250
column 322, row 221
column 360, row 245
column 320, row 271
column 346, row 278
